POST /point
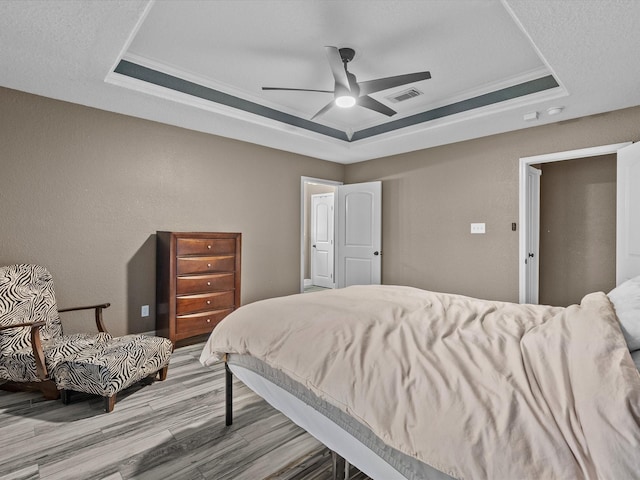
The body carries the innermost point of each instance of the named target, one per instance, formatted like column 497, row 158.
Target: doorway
column 577, row 229
column 530, row 211
column 357, row 232
column 309, row 187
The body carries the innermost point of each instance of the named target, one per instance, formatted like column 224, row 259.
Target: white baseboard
column 307, row 282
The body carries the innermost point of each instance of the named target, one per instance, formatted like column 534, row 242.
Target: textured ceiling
column 491, row 63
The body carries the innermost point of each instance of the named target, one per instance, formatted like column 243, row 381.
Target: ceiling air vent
column 404, row 95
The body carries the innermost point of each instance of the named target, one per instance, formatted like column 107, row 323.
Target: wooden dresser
column 198, row 281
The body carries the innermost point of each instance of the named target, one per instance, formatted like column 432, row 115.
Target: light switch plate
column 477, row 228
column 144, row 311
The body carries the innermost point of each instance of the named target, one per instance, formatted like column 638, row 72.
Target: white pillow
column 626, row 300
column 636, row 358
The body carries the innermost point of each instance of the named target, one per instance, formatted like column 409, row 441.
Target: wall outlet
column 477, row 228
column 144, row 311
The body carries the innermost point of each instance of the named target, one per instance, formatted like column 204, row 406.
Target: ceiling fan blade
column 297, row 89
column 371, row 86
column 372, row 104
column 337, row 68
column 324, row 109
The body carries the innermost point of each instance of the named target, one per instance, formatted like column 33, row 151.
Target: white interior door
column 532, row 250
column 322, row 224
column 359, row 234
column 628, row 214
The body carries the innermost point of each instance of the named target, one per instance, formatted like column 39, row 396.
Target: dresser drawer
column 203, row 302
column 204, row 283
column 223, row 263
column 200, row 323
column 205, row 246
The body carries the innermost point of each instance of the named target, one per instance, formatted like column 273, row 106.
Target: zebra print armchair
column 35, row 353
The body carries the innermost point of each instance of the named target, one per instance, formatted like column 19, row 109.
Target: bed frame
column 228, row 398
column 339, row 466
column 349, row 441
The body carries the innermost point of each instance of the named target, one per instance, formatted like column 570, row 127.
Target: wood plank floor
column 168, row 430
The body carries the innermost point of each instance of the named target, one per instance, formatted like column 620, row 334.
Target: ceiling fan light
column 345, row 101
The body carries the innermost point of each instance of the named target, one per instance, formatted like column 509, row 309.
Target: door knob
column 376, row 253
column 313, row 246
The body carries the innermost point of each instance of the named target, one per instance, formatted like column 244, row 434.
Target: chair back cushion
column 26, row 296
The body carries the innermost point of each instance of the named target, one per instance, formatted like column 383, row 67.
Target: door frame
column 523, row 198
column 303, row 181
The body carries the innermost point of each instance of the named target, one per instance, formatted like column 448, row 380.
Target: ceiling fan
column 349, row 92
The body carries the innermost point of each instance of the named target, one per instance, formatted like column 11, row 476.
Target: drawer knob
column 208, row 302
column 208, row 320
column 209, row 265
column 209, row 247
column 208, row 284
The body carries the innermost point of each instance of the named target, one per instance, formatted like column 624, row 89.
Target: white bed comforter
column 477, row 389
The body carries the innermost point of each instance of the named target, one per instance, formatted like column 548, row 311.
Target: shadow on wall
column 141, row 288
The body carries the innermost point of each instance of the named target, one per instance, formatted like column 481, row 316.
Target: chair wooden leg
column 109, row 403
column 49, row 390
column 162, row 373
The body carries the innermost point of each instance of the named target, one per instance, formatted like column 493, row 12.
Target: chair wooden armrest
column 98, row 313
column 27, row 324
column 36, row 345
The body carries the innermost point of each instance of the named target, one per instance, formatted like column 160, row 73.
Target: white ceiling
column 68, row 50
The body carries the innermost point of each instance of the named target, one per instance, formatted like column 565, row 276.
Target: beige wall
column 431, row 196
column 577, row 229
column 82, row 191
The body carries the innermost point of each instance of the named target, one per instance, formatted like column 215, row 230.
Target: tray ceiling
column 202, row 65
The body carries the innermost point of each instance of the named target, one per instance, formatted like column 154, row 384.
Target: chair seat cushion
column 19, row 365
column 106, row 367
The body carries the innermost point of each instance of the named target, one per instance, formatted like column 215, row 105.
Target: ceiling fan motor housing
column 347, row 54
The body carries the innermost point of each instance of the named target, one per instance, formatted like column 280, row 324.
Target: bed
column 410, row 384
